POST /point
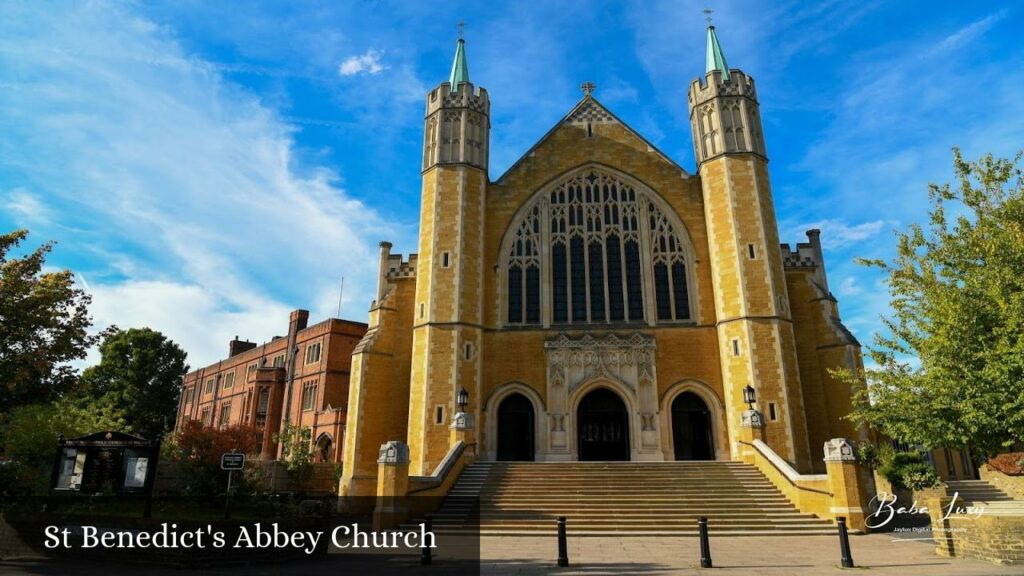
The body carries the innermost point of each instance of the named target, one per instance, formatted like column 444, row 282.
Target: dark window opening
column 596, row 282
column 515, row 295
column 559, row 282
column 661, row 292
column 579, row 280
column 679, row 291
column 633, row 284
column 616, row 310
column 532, row 295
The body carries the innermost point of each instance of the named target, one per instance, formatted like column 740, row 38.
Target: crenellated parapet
column 724, row 115
column 466, row 95
column 804, row 256
column 457, row 126
column 399, row 267
column 807, row 256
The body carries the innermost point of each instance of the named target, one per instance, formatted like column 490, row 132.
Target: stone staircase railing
column 842, row 492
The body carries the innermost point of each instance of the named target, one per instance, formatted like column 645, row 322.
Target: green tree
column 29, row 432
column 296, row 451
column 950, row 370
column 44, row 322
column 140, row 373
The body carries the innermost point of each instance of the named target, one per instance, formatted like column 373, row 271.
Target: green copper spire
column 715, row 58
column 460, row 68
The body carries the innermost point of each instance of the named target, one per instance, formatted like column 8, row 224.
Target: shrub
column 297, row 453
column 16, row 481
column 869, row 454
column 906, row 469
column 198, row 449
column 1010, row 463
column 918, row 476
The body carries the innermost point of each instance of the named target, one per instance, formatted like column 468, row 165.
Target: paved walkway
column 875, row 554
column 789, row 555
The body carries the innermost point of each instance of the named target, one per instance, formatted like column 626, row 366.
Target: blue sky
column 208, row 166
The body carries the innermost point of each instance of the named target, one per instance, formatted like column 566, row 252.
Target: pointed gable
column 586, row 114
column 589, row 111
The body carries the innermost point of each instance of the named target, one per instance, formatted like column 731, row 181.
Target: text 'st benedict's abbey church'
column 597, row 301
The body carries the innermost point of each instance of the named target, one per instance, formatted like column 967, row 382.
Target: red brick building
column 265, row 386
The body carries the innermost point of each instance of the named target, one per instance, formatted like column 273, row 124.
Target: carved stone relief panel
column 625, row 361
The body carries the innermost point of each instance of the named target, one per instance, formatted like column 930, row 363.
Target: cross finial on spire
column 460, row 68
column 462, row 29
column 715, row 59
column 588, row 88
column 707, row 15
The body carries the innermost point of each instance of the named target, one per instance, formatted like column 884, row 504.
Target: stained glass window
column 600, row 229
column 515, row 294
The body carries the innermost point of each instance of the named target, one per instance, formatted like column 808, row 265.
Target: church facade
column 597, row 301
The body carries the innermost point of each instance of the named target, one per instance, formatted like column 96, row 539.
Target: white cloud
column 368, row 63
column 192, row 315
column 898, row 110
column 838, row 234
column 27, row 208
column 850, row 287
column 970, row 32
column 188, row 181
column 616, row 90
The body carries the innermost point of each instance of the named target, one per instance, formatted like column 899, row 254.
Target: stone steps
column 513, row 515
column 980, row 493
column 620, row 498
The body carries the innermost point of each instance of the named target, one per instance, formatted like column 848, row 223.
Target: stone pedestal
column 463, row 430
column 392, row 485
column 847, row 483
column 937, row 501
column 751, row 428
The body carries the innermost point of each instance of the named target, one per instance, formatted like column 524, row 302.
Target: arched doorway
column 691, row 428
column 515, row 428
column 323, row 448
column 602, row 426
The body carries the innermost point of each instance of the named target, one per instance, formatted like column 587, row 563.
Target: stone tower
column 755, row 329
column 448, row 304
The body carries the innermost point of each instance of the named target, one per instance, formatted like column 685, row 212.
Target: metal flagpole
column 340, row 294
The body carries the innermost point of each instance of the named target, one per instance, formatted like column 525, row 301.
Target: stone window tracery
column 610, row 251
column 734, row 139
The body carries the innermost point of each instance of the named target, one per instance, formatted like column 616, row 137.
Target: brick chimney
column 237, row 346
column 298, row 320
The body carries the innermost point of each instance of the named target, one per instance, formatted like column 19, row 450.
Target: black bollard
column 425, row 554
column 705, row 545
column 563, row 548
column 844, row 543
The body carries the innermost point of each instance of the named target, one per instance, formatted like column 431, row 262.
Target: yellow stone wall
column 378, row 396
column 755, row 331
column 448, row 308
column 822, row 346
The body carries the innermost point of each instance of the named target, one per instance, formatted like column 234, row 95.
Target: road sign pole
column 230, row 461
column 227, row 497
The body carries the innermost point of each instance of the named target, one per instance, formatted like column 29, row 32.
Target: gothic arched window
column 612, row 255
